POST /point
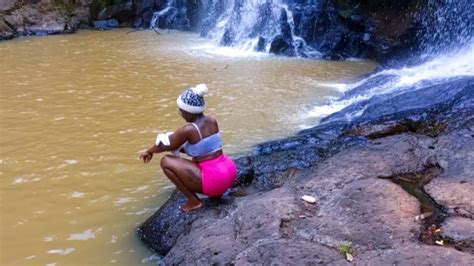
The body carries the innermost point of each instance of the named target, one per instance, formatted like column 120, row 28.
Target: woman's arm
column 177, row 139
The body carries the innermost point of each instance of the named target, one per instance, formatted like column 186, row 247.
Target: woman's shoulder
column 212, row 124
column 211, row 119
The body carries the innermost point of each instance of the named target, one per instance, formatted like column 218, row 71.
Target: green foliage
column 63, row 6
column 345, row 248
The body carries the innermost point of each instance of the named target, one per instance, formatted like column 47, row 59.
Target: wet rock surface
column 459, row 229
column 391, row 182
column 410, row 254
column 455, row 187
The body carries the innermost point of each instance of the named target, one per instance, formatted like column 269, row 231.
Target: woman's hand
column 146, row 156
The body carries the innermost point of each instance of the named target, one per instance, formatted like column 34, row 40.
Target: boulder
column 105, row 24
column 41, row 19
column 5, row 31
column 7, row 5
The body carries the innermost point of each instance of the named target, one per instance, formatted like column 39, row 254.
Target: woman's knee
column 166, row 161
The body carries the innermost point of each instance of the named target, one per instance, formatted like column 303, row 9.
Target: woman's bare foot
column 191, row 205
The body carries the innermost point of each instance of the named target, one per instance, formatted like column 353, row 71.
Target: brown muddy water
column 75, row 109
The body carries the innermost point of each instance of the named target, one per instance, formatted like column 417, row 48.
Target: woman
column 210, row 172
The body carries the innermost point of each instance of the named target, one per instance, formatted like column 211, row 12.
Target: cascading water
column 249, row 25
column 392, row 82
column 447, row 46
column 171, row 15
column 156, row 16
column 252, row 25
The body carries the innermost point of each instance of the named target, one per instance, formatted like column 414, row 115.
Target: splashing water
column 435, row 71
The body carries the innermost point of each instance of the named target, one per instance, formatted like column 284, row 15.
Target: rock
column 432, row 103
column 105, row 24
column 286, row 252
column 5, row 31
column 282, row 44
column 226, row 230
column 261, row 45
column 82, row 14
column 121, row 12
column 454, row 188
column 412, row 254
column 349, row 211
column 7, row 5
column 458, row 229
column 41, row 19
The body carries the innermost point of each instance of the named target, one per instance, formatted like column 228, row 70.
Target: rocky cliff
column 41, row 17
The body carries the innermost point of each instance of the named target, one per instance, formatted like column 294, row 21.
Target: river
column 75, row 109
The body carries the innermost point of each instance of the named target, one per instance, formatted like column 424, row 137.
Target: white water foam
column 86, row 235
column 61, row 251
column 243, row 22
column 212, row 50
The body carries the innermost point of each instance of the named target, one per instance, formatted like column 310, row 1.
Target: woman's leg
column 186, row 175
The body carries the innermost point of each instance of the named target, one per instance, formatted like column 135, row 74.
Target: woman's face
column 185, row 115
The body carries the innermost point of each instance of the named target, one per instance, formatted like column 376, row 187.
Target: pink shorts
column 218, row 175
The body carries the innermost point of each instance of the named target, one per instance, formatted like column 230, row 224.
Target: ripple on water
column 61, row 251
column 88, row 234
column 76, row 194
column 71, row 161
column 123, row 200
column 49, row 238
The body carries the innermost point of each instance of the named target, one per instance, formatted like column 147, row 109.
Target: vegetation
column 67, row 5
column 345, row 248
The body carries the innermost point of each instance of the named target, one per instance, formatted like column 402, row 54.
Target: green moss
column 345, row 248
column 63, row 5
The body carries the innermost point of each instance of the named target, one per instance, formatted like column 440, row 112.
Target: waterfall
column 248, row 25
column 156, row 16
column 441, row 42
column 449, row 26
column 251, row 24
column 172, row 15
column 447, row 49
column 392, row 82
